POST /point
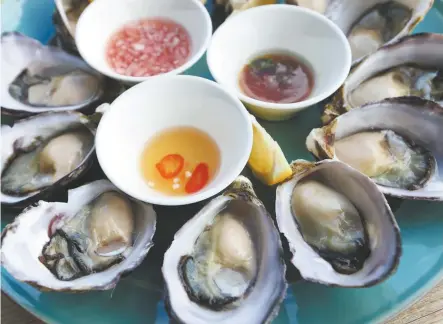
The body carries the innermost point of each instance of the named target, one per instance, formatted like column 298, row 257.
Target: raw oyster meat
column 397, row 142
column 92, row 240
column 225, row 265
column 38, row 78
column 369, row 24
column 42, row 153
column 340, row 229
column 85, row 244
column 412, row 66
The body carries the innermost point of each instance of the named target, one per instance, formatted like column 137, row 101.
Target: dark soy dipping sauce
column 277, row 78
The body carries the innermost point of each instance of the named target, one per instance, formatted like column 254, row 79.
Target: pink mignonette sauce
column 148, row 47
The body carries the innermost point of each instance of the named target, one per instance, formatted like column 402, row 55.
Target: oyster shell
column 370, row 24
column 397, row 142
column 42, row 153
column 85, row 251
column 225, row 265
column 412, row 66
column 38, row 78
column 340, row 229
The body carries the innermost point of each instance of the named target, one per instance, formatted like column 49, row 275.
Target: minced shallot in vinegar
column 148, row 47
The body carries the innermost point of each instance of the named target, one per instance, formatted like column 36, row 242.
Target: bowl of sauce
column 173, row 164
column 140, row 39
column 274, row 58
column 277, row 77
column 164, row 140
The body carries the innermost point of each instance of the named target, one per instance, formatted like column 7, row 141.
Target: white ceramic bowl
column 102, row 18
column 288, row 28
column 168, row 101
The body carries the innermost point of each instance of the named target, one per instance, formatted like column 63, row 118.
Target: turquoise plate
column 138, row 297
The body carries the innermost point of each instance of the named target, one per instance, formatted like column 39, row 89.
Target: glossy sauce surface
column 277, row 78
column 180, row 161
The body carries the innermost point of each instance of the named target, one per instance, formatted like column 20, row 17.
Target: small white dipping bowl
column 280, row 28
column 164, row 102
column 102, row 18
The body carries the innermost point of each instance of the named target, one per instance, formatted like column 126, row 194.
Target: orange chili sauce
column 194, row 145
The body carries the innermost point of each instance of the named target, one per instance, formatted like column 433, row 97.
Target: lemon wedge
column 267, row 161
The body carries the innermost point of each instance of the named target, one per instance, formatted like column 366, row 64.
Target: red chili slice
column 199, row 178
column 170, row 166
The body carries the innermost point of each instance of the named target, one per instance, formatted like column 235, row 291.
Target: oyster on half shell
column 42, row 153
column 37, row 78
column 85, row 244
column 397, row 142
column 225, row 265
column 339, row 226
column 369, row 24
column 412, row 66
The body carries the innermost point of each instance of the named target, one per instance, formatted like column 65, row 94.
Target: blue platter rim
column 382, row 318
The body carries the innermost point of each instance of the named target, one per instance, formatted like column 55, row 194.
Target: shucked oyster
column 225, row 265
column 369, row 24
column 37, row 78
column 339, row 226
column 42, row 153
column 84, row 244
column 95, row 238
column 397, row 142
column 412, row 66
